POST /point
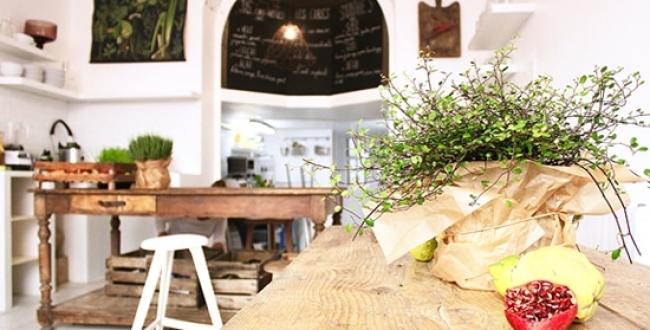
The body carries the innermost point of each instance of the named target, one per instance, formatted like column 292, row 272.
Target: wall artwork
column 440, row 29
column 138, row 31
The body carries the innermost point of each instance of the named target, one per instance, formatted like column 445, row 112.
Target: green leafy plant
column 114, row 155
column 437, row 126
column 150, row 147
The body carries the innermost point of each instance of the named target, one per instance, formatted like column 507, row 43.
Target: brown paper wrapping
column 476, row 236
column 153, row 174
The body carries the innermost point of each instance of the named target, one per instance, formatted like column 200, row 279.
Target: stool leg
column 163, row 289
column 206, row 285
column 148, row 290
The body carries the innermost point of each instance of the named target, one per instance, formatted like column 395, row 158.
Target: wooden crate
column 113, row 175
column 238, row 276
column 126, row 274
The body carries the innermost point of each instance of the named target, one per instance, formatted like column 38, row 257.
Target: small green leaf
column 508, row 203
column 616, row 254
column 348, row 228
column 517, row 170
column 370, row 223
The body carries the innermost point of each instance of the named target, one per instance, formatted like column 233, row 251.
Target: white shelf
column 19, row 260
column 156, row 96
column 23, row 217
column 20, row 174
column 11, row 46
column 37, row 88
column 34, row 87
column 499, row 23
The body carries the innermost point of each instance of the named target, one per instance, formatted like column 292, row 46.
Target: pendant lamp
column 288, row 48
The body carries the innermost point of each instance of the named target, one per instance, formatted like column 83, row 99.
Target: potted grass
column 117, row 160
column 488, row 168
column 152, row 156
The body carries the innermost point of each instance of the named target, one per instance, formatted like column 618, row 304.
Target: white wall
column 566, row 39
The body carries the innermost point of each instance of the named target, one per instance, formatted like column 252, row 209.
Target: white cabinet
column 19, row 237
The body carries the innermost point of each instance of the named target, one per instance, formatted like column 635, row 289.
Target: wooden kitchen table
column 250, row 203
column 337, row 283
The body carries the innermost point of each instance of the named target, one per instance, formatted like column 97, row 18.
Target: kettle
column 69, row 152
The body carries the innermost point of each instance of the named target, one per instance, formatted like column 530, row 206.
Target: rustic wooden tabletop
column 340, row 283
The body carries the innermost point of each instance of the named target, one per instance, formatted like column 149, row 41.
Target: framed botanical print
column 138, row 31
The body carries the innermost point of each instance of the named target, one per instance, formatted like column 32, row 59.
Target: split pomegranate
column 540, row 305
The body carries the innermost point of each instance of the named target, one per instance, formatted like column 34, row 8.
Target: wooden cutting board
column 440, row 29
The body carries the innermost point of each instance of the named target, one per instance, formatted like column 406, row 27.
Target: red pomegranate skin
column 560, row 321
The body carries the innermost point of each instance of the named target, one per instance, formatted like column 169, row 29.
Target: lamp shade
column 289, row 49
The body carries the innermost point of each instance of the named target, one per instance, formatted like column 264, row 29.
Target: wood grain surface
column 340, row 283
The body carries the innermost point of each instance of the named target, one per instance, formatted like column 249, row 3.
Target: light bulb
column 291, row 32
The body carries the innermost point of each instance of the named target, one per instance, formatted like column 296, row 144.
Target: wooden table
column 337, row 283
column 250, row 203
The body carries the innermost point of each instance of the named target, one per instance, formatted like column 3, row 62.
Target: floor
column 23, row 315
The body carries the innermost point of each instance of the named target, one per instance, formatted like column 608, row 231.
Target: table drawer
column 102, row 204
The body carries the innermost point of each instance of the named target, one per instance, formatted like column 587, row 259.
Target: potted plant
column 114, row 155
column 491, row 168
column 152, row 156
column 117, row 160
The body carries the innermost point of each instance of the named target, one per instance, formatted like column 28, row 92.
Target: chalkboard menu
column 347, row 41
column 358, row 46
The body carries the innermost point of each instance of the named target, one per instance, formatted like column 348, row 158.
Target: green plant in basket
column 114, row 155
column 152, row 156
column 492, row 143
column 150, row 147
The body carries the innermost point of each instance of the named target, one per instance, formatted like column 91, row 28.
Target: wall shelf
column 23, row 217
column 155, row 96
column 10, row 46
column 37, row 88
column 19, row 260
column 499, row 23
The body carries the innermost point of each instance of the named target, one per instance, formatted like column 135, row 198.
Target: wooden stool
column 161, row 266
column 271, row 223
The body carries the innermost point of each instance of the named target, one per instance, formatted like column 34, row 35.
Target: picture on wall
column 138, row 31
column 440, row 29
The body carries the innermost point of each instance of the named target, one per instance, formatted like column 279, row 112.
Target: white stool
column 161, row 266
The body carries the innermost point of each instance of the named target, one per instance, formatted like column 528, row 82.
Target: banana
column 558, row 264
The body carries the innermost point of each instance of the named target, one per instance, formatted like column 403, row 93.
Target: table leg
column 115, row 235
column 44, row 313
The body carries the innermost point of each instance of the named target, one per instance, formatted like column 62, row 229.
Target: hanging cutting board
column 440, row 29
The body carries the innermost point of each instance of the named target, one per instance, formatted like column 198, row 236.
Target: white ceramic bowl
column 24, row 39
column 11, row 69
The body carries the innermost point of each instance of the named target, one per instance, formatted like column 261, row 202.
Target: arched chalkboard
column 347, row 40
